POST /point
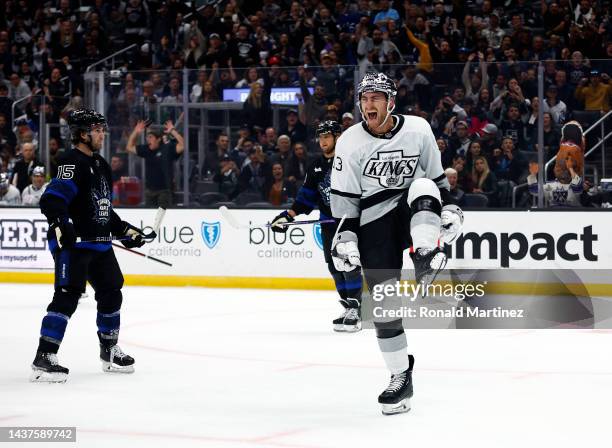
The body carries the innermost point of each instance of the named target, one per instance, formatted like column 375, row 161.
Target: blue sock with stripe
column 108, row 324
column 53, row 328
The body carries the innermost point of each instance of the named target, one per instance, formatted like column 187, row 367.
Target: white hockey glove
column 345, row 253
column 452, row 223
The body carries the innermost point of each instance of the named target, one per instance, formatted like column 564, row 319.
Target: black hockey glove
column 277, row 223
column 136, row 236
column 63, row 229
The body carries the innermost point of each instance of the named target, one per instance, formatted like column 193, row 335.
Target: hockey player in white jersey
column 389, row 185
column 32, row 193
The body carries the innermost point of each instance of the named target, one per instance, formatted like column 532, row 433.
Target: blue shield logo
column 211, row 232
column 316, row 233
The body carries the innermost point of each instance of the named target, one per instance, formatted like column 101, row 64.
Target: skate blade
column 339, row 328
column 397, row 408
column 352, row 328
column 40, row 376
column 109, row 367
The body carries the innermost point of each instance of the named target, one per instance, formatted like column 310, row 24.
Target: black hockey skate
column 339, row 322
column 352, row 320
column 427, row 264
column 395, row 399
column 112, row 357
column 45, row 369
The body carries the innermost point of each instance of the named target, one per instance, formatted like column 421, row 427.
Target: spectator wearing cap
column 216, row 53
column 456, row 193
column 226, row 174
column 294, row 128
column 24, row 166
column 279, row 190
column 328, row 75
column 160, row 153
column 594, row 93
column 552, row 104
column 9, row 194
column 347, row 121
column 32, row 193
column 459, row 140
column 489, row 138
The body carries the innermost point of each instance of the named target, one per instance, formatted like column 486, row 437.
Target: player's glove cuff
column 278, row 221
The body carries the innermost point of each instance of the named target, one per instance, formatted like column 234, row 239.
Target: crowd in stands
column 468, row 67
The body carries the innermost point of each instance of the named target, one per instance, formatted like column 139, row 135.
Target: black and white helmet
column 377, row 82
column 84, row 120
column 38, row 171
column 328, row 127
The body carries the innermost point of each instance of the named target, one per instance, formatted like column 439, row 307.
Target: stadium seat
column 260, row 204
column 246, row 197
column 209, row 198
column 476, row 200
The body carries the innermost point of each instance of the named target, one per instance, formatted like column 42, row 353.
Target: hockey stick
column 232, row 221
column 149, row 237
column 135, row 252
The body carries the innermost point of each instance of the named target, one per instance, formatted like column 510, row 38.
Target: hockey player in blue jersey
column 314, row 193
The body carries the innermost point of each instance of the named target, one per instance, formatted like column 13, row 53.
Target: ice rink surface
column 256, row 368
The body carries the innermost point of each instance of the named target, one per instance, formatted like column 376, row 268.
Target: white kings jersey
column 31, row 196
column 371, row 172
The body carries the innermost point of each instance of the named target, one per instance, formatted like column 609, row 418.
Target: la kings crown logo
column 391, row 168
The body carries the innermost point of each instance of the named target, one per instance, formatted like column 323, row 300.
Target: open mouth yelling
column 372, row 115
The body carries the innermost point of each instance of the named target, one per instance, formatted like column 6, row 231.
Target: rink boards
column 206, row 251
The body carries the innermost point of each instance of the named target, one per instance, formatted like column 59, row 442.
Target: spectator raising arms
column 160, row 153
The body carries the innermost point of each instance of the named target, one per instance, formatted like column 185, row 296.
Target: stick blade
column 227, row 216
column 159, row 216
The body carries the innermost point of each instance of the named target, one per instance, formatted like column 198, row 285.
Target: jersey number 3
column 65, row 172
